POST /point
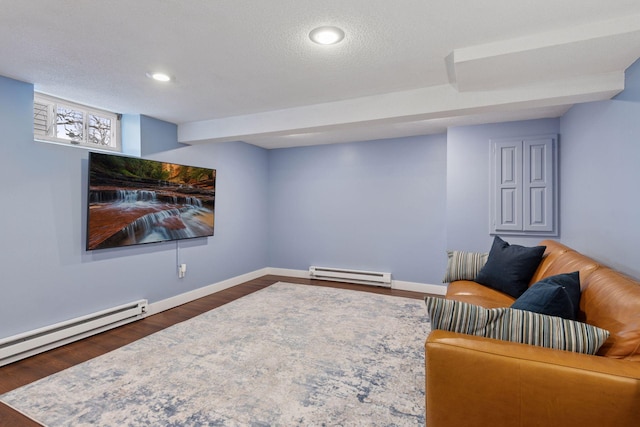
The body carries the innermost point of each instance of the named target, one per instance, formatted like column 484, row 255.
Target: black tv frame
column 134, row 201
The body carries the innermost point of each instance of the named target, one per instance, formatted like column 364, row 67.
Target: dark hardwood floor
column 39, row 366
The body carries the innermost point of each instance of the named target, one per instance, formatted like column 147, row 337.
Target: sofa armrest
column 475, row 381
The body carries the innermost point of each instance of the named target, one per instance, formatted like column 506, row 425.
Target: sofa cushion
column 463, row 265
column 509, row 268
column 514, row 325
column 557, row 295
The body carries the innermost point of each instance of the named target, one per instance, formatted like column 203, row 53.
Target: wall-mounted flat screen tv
column 134, row 201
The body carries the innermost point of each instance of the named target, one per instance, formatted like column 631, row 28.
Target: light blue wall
column 48, row 277
column 468, row 169
column 157, row 136
column 600, row 199
column 631, row 90
column 239, row 244
column 143, row 135
column 131, row 135
column 391, row 205
column 376, row 205
column 599, row 154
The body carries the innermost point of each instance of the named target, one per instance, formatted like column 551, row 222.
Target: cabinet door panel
column 537, row 207
column 508, row 186
column 538, row 185
column 509, row 213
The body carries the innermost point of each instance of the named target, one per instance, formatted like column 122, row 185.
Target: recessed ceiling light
column 326, row 35
column 161, row 77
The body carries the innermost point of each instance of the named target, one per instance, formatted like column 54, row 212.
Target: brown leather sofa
column 476, row 381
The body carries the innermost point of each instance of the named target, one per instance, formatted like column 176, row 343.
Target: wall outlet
column 182, row 270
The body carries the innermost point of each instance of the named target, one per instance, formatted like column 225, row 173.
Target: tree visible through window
column 99, row 130
column 57, row 120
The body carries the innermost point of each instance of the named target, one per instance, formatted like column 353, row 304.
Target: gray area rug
column 283, row 356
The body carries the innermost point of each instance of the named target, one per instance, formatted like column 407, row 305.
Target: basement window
column 64, row 122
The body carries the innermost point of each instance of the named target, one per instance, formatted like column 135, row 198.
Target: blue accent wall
column 631, row 90
column 376, row 205
column 143, row 135
column 157, row 136
column 468, row 173
column 600, row 177
column 131, row 135
column 390, row 205
column 48, row 276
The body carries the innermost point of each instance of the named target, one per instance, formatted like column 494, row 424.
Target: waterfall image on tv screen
column 134, row 201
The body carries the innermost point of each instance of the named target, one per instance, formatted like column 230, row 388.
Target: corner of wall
column 157, row 136
column 631, row 90
column 130, row 129
column 143, row 135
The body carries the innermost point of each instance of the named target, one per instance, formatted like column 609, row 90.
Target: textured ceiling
column 246, row 70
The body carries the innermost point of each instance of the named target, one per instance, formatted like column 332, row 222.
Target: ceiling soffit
column 536, row 73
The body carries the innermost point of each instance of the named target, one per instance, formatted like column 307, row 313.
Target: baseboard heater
column 27, row 344
column 351, row 276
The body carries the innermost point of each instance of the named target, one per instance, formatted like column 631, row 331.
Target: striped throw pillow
column 464, row 265
column 515, row 325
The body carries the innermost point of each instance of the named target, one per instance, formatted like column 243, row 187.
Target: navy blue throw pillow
column 509, row 268
column 554, row 296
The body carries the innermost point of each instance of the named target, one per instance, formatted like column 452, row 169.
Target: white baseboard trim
column 186, row 297
column 395, row 284
column 175, row 301
column 300, row 274
column 424, row 288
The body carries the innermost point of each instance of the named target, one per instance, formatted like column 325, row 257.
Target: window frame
column 45, row 129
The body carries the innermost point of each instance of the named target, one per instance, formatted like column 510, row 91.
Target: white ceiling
column 246, row 70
